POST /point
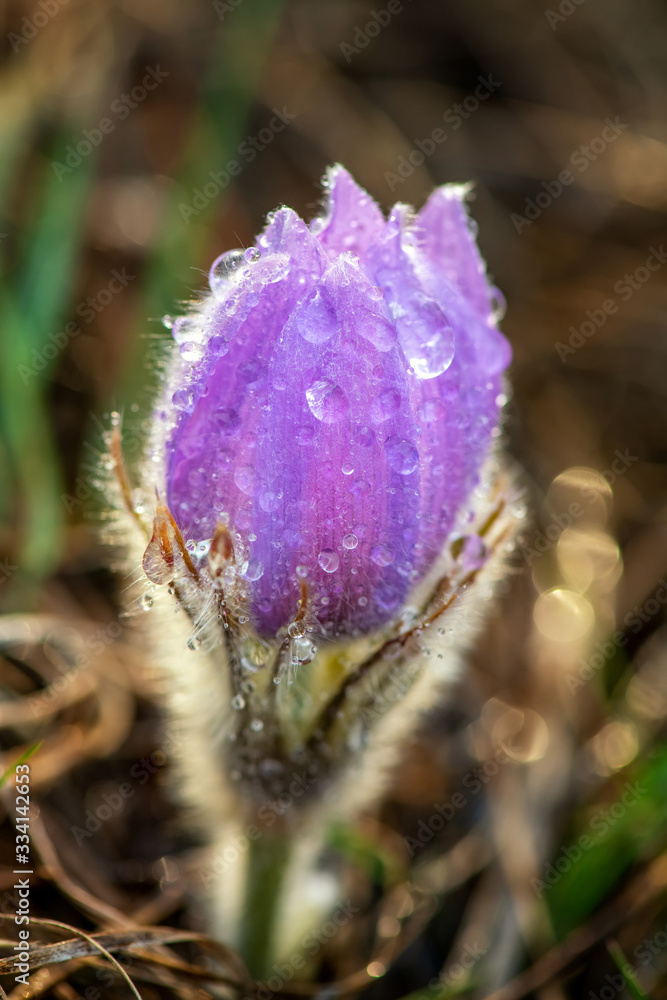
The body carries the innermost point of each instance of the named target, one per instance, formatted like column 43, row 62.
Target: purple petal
column 352, row 220
column 335, row 399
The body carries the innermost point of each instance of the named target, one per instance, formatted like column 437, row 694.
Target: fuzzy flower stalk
column 321, row 518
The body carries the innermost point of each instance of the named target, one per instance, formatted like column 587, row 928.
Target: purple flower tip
column 331, row 403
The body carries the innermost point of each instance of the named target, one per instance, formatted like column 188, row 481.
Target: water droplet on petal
column 223, row 267
column 350, row 541
column 327, row 401
column 328, row 560
column 493, row 352
column 316, row 319
column 402, row 456
column 238, row 702
column 226, row 421
column 191, row 351
column 305, row 435
column 498, row 305
column 186, row 328
column 254, row 571
column 183, row 399
column 347, row 468
column 377, row 330
column 360, row 488
column 363, row 436
column 385, row 405
column 252, row 254
column 269, row 501
column 426, row 337
column 244, row 477
column 145, row 602
column 382, row 555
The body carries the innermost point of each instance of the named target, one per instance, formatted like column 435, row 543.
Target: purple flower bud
column 331, row 402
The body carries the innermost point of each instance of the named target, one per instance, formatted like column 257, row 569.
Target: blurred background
column 137, row 142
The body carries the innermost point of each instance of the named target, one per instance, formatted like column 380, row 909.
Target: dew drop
column 350, row 541
column 382, row 555
column 269, row 501
column 238, row 702
column 402, row 456
column 252, row 254
column 244, row 478
column 222, row 269
column 191, row 351
column 302, row 572
column 186, row 328
column 377, row 330
column 183, row 399
column 226, row 420
column 316, row 319
column 305, row 435
column 145, row 602
column 426, row 337
column 498, row 305
column 328, row 560
column 327, row 401
column 269, row 768
column 363, row 436
column 255, row 570
column 360, row 488
column 385, row 405
column 347, row 468
column 257, row 725
column 303, row 650
column 296, row 630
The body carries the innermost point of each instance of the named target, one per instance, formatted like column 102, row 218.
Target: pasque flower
column 318, row 512
column 332, row 402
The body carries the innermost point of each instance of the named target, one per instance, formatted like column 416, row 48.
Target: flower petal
column 352, row 220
